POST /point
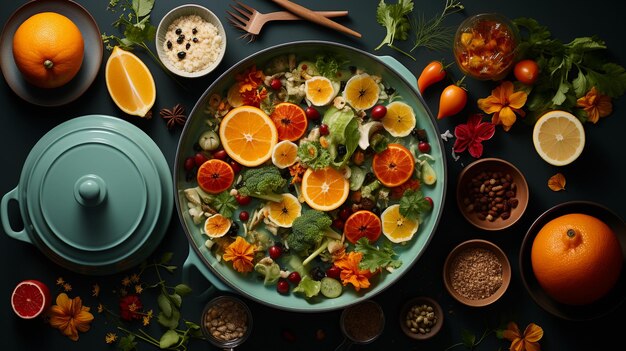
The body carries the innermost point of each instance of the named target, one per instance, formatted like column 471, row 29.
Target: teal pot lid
column 96, row 194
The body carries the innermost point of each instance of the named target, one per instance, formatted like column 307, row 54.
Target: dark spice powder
column 363, row 322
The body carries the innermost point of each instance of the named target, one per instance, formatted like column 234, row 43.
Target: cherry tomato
column 430, row 201
column 378, row 112
column 526, row 71
column 312, row 113
column 333, row 272
column 275, row 252
column 282, row 286
column 452, row 101
column 294, row 277
column 244, row 216
column 423, row 147
column 324, row 129
column 276, row 84
column 235, row 166
column 220, row 154
column 243, row 200
column 200, row 158
column 190, row 163
column 432, row 73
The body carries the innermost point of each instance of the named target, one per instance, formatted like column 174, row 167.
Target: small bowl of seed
column 190, row 41
column 421, row 318
column 476, row 273
column 226, row 322
column 492, row 194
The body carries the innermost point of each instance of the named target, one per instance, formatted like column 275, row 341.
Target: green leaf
column 182, row 289
column 170, row 269
column 612, row 80
column 176, row 299
column 166, row 257
column 468, row 339
column 165, row 305
column 393, row 18
column 413, row 203
column 559, row 97
column 580, row 84
column 374, row 257
column 224, row 203
column 142, row 7
column 170, row 322
column 127, row 343
column 169, row 338
column 586, row 44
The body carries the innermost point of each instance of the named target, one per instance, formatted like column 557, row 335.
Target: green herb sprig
column 395, row 20
column 431, row 33
column 375, row 258
column 413, row 203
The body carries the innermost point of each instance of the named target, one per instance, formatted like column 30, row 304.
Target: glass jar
column 485, row 46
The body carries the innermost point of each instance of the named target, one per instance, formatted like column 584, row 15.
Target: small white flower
column 447, row 135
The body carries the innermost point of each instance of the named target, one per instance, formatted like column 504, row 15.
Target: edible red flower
column 471, row 135
column 130, row 307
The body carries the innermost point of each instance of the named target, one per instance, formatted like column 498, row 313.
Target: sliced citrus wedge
column 30, row 298
column 396, row 227
column 361, row 224
column 130, row 83
column 290, row 121
column 394, row 165
column 285, row 211
column 559, row 137
column 215, row 176
column 361, row 91
column 399, row 120
column 216, row 226
column 285, row 154
column 319, row 90
column 325, row 189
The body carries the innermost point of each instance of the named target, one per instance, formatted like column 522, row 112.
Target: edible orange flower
column 504, row 103
column 596, row 105
column 241, row 253
column 351, row 273
column 254, row 97
column 70, row 316
column 250, row 79
column 529, row 341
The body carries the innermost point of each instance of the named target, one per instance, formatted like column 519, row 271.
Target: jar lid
column 96, row 188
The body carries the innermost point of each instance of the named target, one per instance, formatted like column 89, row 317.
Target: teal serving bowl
column 95, row 195
column 221, row 273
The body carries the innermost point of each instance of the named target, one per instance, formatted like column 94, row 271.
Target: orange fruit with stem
column 325, row 189
column 394, row 165
column 215, row 176
column 290, row 121
column 48, row 49
column 576, row 258
column 362, row 223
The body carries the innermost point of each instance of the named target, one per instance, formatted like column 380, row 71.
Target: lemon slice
column 319, row 90
column 361, row 91
column 285, row 211
column 559, row 137
column 285, row 154
column 399, row 120
column 396, row 227
column 216, row 226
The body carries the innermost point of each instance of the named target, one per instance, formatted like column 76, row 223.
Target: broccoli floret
column 313, row 155
column 264, row 183
column 311, row 233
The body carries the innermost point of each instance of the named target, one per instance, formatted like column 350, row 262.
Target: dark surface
column 596, row 176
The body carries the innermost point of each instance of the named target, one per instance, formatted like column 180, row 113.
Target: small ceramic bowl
column 362, row 323
column 226, row 309
column 411, row 327
column 492, row 194
column 468, row 260
column 191, row 44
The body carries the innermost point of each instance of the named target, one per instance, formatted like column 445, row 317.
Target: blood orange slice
column 30, row 298
column 394, row 165
column 215, row 176
column 325, row 189
column 290, row 120
column 361, row 224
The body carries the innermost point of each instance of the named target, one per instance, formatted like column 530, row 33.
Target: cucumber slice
column 330, row 287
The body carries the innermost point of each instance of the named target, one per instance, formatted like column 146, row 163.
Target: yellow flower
column 529, row 341
column 67, row 287
column 126, row 281
column 96, row 290
column 70, row 316
column 241, row 253
column 596, row 105
column 138, row 288
column 504, row 103
column 60, row 281
column 134, row 278
column 351, row 273
column 110, row 338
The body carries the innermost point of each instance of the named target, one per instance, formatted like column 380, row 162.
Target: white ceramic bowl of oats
column 190, row 41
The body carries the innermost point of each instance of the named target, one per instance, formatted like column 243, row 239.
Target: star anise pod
column 174, row 116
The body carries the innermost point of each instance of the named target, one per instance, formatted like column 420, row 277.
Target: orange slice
column 399, row 120
column 396, row 227
column 361, row 91
column 215, row 176
column 248, row 135
column 394, row 165
column 216, row 226
column 559, row 137
column 325, row 189
column 290, row 121
column 285, row 211
column 130, row 83
column 285, row 154
column 361, row 224
column 319, row 90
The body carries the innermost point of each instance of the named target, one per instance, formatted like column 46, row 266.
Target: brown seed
column 505, row 215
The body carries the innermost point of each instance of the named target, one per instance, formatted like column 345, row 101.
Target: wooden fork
column 251, row 21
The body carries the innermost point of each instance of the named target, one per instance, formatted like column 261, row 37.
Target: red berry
column 423, row 147
column 338, row 223
column 378, row 112
column 282, row 286
column 235, row 166
column 276, row 84
column 244, row 216
column 430, row 201
column 243, row 200
column 294, row 278
column 200, row 158
column 275, row 252
column 324, row 129
column 345, row 213
column 312, row 113
column 220, row 155
column 190, row 163
column 333, row 272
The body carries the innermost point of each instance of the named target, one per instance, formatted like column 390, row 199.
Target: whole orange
column 576, row 258
column 48, row 49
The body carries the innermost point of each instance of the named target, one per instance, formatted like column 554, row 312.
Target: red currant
column 220, row 155
column 200, row 158
column 276, row 84
column 275, row 252
column 324, row 129
column 312, row 113
column 338, row 223
column 244, row 216
column 294, row 278
column 333, row 272
column 190, row 163
column 378, row 112
column 282, row 286
column 243, row 200
column 423, row 147
column 235, row 166
column 430, row 201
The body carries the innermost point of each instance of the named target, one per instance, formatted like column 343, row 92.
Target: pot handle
column 4, row 215
column 401, row 69
column 193, row 261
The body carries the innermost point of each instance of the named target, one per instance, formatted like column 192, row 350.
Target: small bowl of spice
column 492, row 193
column 226, row 321
column 421, row 318
column 362, row 323
column 477, row 273
column 190, row 41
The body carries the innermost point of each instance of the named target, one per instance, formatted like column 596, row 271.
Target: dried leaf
column 557, row 182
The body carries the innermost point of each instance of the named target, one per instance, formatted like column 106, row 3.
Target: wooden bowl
column 470, row 194
column 419, row 301
column 449, row 269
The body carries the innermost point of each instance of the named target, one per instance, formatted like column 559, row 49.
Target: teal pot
column 221, row 273
column 95, row 195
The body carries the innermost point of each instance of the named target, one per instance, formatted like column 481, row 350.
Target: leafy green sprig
column 413, row 203
column 431, row 33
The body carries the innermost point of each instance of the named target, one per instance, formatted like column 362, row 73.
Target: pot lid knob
column 90, row 190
